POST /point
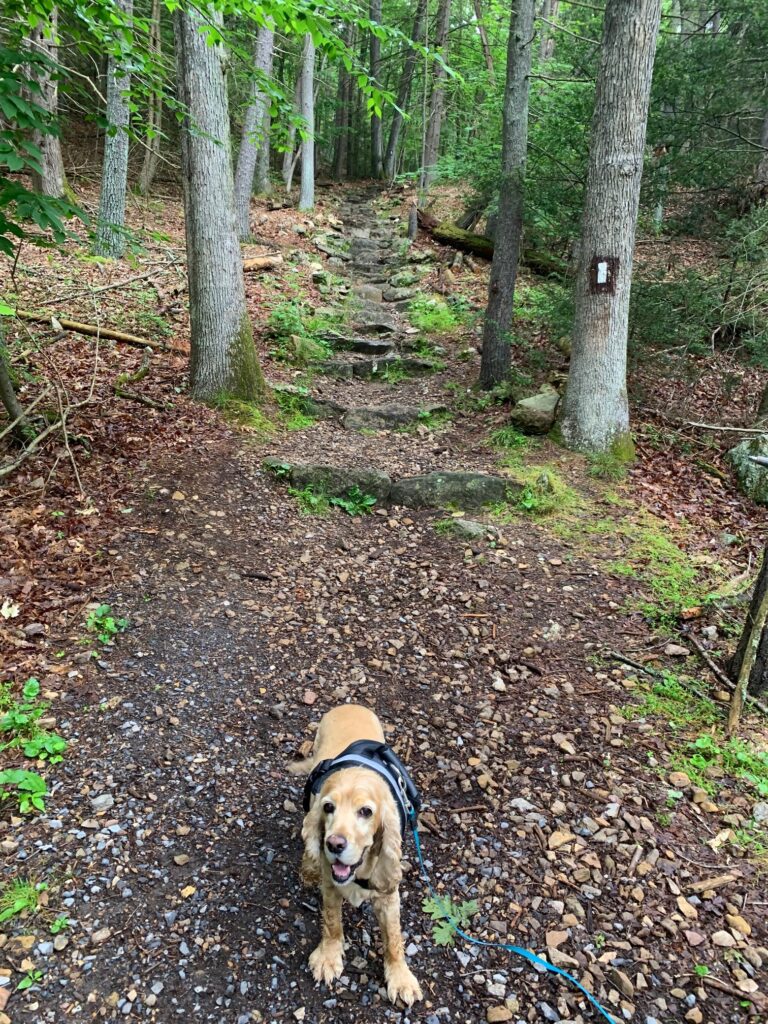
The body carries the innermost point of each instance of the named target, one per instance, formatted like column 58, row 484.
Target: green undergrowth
column 314, row 502
column 292, row 408
column 297, row 334
column 431, row 420
column 433, row 315
column 699, row 748
column 287, row 413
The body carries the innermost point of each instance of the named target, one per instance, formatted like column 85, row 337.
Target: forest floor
column 592, row 809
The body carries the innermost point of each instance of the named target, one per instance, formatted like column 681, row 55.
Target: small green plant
column 600, row 940
column 280, row 470
column 510, row 440
column 664, row 819
column 355, row 502
column 448, row 917
column 31, row 978
column 292, row 407
column 103, row 623
column 20, row 720
column 394, row 373
column 437, row 420
column 18, row 896
column 431, row 315
column 28, row 789
column 295, row 334
column 310, row 502
column 701, row 970
column 59, row 925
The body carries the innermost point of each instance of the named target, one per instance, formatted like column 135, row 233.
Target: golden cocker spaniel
column 352, row 848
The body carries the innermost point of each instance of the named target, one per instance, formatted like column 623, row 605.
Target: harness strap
column 526, row 954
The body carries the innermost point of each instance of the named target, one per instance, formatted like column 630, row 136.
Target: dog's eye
column 328, row 807
column 365, row 812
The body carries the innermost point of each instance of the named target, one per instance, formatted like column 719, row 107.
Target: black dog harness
column 379, row 758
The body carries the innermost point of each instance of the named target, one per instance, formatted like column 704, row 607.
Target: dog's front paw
column 401, row 984
column 327, row 963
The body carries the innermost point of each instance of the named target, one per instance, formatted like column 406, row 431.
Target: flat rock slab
column 536, row 414
column 386, row 417
column 439, row 489
column 335, row 481
column 374, row 319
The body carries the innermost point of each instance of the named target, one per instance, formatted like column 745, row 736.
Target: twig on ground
column 65, row 436
column 103, row 288
column 27, row 411
column 757, row 998
column 99, row 332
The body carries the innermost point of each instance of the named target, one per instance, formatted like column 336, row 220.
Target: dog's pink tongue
column 341, row 871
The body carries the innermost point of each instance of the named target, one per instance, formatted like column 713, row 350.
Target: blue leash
column 526, row 954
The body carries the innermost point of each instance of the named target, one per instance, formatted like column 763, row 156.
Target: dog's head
column 354, row 825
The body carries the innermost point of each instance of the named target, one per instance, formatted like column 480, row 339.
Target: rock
column 558, row 839
column 404, row 279
column 102, row 803
column 439, row 489
column 399, row 294
column 739, row 923
column 100, row 936
column 367, row 346
column 752, row 478
column 679, row 780
column 622, row 983
column 369, row 292
column 676, row 651
column 386, row 417
column 724, row 939
column 469, row 529
column 497, row 1014
column 760, row 811
column 374, row 319
column 336, row 481
column 536, row 414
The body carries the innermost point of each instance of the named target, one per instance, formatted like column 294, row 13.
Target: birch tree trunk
column 53, row 180
column 495, row 362
column 154, row 108
column 404, row 91
column 596, row 412
column 290, row 149
column 437, row 97
column 253, row 128
column 307, row 189
column 110, row 231
column 223, row 358
column 377, row 133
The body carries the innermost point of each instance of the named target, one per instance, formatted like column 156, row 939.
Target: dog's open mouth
column 343, row 873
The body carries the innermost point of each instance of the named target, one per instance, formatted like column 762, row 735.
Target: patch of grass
column 607, row 466
column 292, row 410
column 444, row 527
column 310, row 502
column 544, row 490
column 509, row 439
column 669, row 698
column 425, row 349
column 19, row 896
column 247, row 415
column 430, row 420
column 394, row 373
column 734, row 758
column 296, row 334
column 432, row 315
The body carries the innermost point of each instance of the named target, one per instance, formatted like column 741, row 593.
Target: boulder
column 336, row 481
column 751, row 476
column 373, row 319
column 400, row 294
column 536, row 414
column 439, row 489
column 369, row 292
column 404, row 279
column 469, row 529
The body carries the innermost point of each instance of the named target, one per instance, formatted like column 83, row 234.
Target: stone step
column 365, row 417
column 467, row 489
column 367, row 368
column 366, row 346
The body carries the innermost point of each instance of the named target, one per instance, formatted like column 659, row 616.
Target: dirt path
column 174, row 835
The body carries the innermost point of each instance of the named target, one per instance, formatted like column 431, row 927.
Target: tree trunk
column 549, row 10
column 154, row 108
column 404, row 91
column 761, row 174
column 342, row 125
column 290, row 150
column 758, row 676
column 437, row 97
column 307, row 190
column 262, row 184
column 223, row 358
column 110, row 230
column 495, row 362
column 253, row 128
column 8, row 397
column 53, row 180
column 483, row 33
column 596, row 413
column 377, row 133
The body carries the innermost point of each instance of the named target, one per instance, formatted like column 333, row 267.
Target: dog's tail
column 302, row 767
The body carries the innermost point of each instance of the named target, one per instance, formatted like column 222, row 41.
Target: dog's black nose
column 336, row 844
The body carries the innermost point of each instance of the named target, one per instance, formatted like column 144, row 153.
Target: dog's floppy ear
column 387, row 873
column 312, row 834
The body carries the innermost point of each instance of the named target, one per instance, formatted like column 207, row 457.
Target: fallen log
column 108, row 333
column 479, row 245
column 262, row 263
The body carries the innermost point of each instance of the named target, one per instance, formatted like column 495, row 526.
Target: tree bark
column 154, row 108
column 223, row 357
column 307, row 189
column 110, row 231
column 483, row 33
column 437, row 96
column 342, row 122
column 549, row 10
column 53, row 180
column 596, row 413
column 497, row 326
column 377, row 132
column 404, row 91
column 262, row 184
column 290, row 150
column 758, row 675
column 253, row 127
column 8, row 396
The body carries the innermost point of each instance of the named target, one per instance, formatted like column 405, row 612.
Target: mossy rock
column 751, row 476
column 441, row 489
column 536, row 414
column 336, row 481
